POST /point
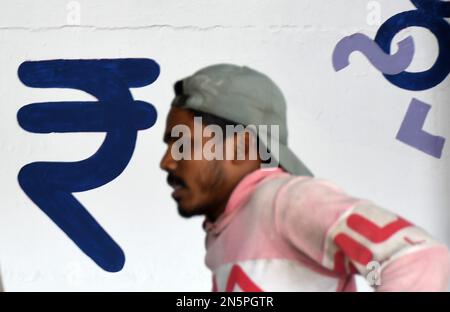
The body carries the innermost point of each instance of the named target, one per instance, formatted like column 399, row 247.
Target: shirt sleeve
column 354, row 236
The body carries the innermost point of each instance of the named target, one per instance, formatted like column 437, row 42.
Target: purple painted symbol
column 386, row 63
column 411, row 131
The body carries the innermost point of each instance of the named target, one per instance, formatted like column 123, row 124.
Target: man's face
column 200, row 186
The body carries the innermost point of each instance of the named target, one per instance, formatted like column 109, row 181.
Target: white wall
column 342, row 124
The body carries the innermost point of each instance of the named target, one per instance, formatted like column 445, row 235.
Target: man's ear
column 243, row 146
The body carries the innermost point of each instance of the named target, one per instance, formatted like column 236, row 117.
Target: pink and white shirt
column 281, row 232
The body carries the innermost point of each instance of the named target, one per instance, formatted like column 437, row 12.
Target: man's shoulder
column 287, row 182
column 286, row 190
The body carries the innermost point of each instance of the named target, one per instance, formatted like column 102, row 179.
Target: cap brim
column 285, row 158
column 291, row 163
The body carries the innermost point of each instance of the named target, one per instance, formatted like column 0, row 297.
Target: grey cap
column 244, row 96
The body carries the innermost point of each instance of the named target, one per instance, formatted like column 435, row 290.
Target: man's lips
column 177, row 184
column 177, row 191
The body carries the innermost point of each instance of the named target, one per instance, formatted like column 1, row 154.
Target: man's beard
column 188, row 214
column 217, row 177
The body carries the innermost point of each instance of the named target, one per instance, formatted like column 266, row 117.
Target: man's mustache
column 172, row 179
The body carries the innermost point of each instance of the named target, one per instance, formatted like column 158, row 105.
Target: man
column 280, row 229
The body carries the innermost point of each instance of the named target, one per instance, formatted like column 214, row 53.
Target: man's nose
column 167, row 162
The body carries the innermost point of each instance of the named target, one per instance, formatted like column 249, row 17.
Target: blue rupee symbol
column 50, row 185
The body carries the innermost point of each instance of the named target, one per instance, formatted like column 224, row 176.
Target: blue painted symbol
column 433, row 7
column 439, row 27
column 411, row 131
column 386, row 63
column 430, row 14
column 50, row 185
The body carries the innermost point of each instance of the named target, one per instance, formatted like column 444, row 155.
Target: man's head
column 202, row 186
column 223, row 95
